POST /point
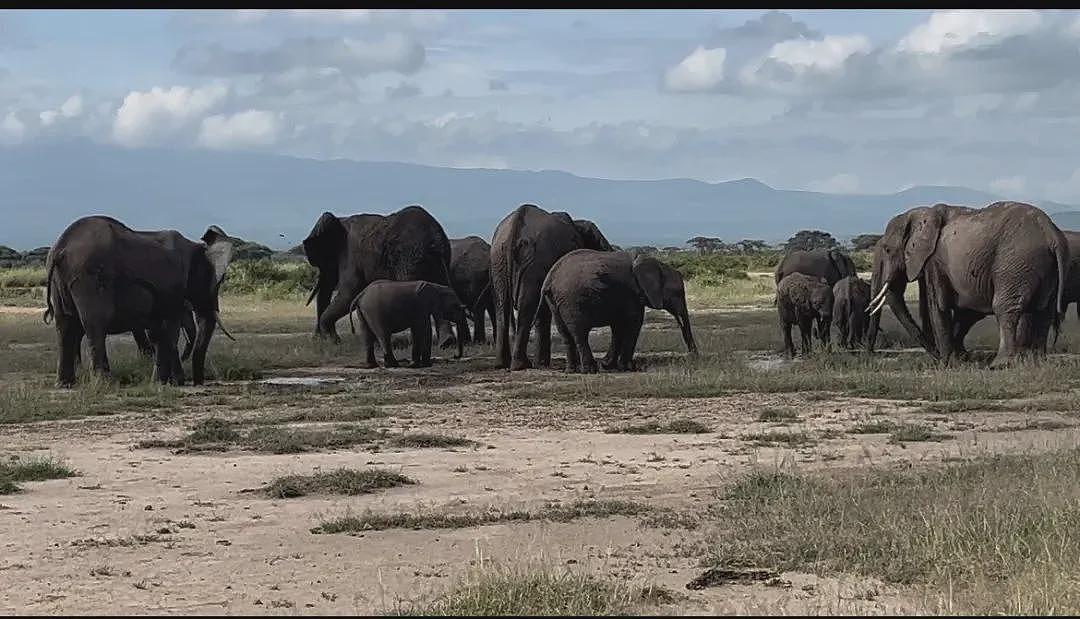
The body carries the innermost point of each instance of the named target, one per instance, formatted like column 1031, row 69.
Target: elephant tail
column 49, row 310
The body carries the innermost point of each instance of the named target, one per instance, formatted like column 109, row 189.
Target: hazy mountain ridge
column 259, row 197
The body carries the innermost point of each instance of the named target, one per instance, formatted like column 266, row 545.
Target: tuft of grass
column 916, row 433
column 780, row 415
column 789, row 439
column 537, row 591
column 8, row 487
column 39, row 468
column 675, row 426
column 997, row 535
column 427, row 440
column 882, row 426
column 342, row 481
column 215, row 434
column 322, row 415
column 370, row 521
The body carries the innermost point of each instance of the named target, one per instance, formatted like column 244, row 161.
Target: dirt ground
column 152, row 531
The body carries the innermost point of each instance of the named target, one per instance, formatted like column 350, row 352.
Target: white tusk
column 881, row 293
column 877, row 308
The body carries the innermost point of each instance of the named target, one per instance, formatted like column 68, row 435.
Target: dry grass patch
column 675, row 426
column 778, row 415
column 428, row 440
column 215, row 434
column 774, row 437
column 916, row 433
column 36, row 468
column 342, row 481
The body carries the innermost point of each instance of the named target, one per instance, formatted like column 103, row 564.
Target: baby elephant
column 587, row 288
column 801, row 299
column 851, row 297
column 386, row 307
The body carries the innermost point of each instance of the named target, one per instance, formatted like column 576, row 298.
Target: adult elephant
column 470, row 277
column 1072, row 282
column 1007, row 259
column 351, row 252
column 106, row 278
column 143, row 337
column 831, row 264
column 525, row 245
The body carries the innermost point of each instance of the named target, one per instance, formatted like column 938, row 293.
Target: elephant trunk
column 206, row 324
column 682, row 316
column 190, row 333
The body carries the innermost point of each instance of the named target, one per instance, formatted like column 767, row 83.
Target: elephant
column 1006, row 259
column 104, row 278
column 187, row 324
column 587, row 288
column 470, row 277
column 351, row 252
column 525, row 245
column 851, row 298
column 1072, row 283
column 801, row 299
column 832, row 264
column 386, row 307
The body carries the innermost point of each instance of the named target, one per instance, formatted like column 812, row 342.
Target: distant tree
column 297, row 251
column 864, row 241
column 811, row 239
column 36, row 256
column 642, row 250
column 9, row 257
column 248, row 250
column 705, row 244
column 752, row 245
column 669, row 249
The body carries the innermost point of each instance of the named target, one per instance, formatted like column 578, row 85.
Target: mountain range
column 275, row 199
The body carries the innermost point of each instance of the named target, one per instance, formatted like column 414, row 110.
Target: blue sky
column 840, row 100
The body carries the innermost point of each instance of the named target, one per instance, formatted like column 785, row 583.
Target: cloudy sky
column 841, row 101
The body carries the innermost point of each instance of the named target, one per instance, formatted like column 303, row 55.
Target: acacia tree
column 706, row 244
column 864, row 241
column 811, row 239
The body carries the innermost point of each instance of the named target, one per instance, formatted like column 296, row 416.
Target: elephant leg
column 337, row 308
column 444, row 329
column 501, row 325
column 824, row 331
column 143, row 342
column 1008, row 331
column 611, row 359
column 99, row 358
column 421, row 344
column 629, row 338
column 789, row 346
column 543, row 336
column 166, row 357
column 479, row 328
column 69, row 334
column 573, row 361
column 581, row 339
column 964, row 320
column 527, row 310
column 387, row 344
column 806, row 328
column 842, row 327
column 369, row 345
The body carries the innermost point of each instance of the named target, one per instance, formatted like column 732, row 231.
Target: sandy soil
column 150, row 531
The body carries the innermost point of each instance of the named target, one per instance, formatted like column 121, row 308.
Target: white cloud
column 12, row 130
column 702, row 70
column 826, row 55
column 244, row 129
column 950, row 30
column 48, row 117
column 1008, row 185
column 841, row 183
column 145, row 116
column 72, row 107
column 1067, row 190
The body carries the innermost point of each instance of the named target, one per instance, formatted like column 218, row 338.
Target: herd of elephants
column 400, row 272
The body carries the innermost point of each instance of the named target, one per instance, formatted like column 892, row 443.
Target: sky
column 840, row 101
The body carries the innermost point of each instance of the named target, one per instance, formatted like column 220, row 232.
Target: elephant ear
column 325, row 241
column 923, row 229
column 591, row 235
column 650, row 278
column 219, row 252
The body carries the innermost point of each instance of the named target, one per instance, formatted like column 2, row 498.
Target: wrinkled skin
column 525, row 245
column 831, row 264
column 802, row 300
column 586, row 289
column 1007, row 259
column 470, row 276
column 350, row 252
column 387, row 307
column 105, row 278
column 851, row 298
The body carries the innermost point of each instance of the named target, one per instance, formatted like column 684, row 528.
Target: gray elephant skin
column 1072, row 282
column 1007, row 259
column 143, row 338
column 351, row 252
column 832, row 264
column 525, row 245
column 470, row 277
column 851, row 298
column 105, row 278
column 387, row 307
column 804, row 300
column 587, row 288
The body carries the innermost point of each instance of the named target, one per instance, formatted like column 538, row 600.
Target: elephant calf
column 801, row 299
column 851, row 298
column 588, row 288
column 386, row 307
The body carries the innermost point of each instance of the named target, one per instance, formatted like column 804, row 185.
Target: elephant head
column 323, row 246
column 662, row 288
column 591, row 235
column 444, row 303
column 209, row 262
column 842, row 263
column 900, row 257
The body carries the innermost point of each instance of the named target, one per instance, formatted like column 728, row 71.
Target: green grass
column 341, row 481
column 675, row 426
column 370, row 521
column 916, row 433
column 537, row 591
column 773, row 437
column 215, row 434
column 882, row 426
column 322, row 415
column 1002, row 532
column 36, row 468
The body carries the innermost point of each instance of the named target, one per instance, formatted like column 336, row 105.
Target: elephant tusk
column 877, row 308
column 217, row 317
column 314, row 291
column 880, row 295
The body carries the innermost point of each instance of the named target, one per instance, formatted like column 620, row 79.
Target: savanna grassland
column 735, row 482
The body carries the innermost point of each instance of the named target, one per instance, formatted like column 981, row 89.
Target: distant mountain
column 275, row 199
column 1067, row 220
